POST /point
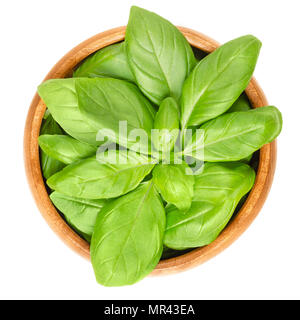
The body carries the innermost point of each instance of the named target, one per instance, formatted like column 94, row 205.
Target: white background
column 34, row 264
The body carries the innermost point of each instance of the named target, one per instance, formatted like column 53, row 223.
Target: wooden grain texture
column 233, row 230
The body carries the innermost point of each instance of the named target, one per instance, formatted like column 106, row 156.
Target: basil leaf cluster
column 130, row 200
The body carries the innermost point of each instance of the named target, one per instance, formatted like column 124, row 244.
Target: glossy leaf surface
column 91, row 179
column 60, row 97
column 241, row 104
column 105, row 102
column 159, row 55
column 220, row 181
column 166, row 123
column 217, row 194
column 81, row 214
column 65, row 148
column 127, row 242
column 218, row 80
column 236, row 135
column 175, row 183
column 49, row 165
column 109, row 62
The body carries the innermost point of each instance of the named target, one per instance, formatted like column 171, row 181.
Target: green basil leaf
column 91, row 179
column 46, row 114
column 175, row 183
column 212, row 208
column 49, row 126
column 159, row 55
column 219, row 181
column 80, row 214
column 65, row 148
column 50, row 165
column 104, row 102
column 167, row 124
column 241, row 104
column 108, row 62
column 236, row 135
column 218, row 80
column 127, row 242
column 126, row 157
column 247, row 159
column 199, row 226
column 60, row 97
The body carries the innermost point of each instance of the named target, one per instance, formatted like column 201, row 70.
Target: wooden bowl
column 250, row 209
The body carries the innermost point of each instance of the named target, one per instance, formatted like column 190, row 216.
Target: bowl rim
column 242, row 220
